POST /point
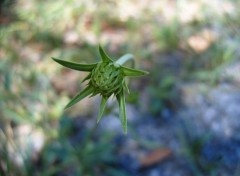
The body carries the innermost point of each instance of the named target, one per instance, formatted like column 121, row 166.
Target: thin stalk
column 127, row 57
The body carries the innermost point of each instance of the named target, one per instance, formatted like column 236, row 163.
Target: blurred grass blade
column 16, row 117
column 7, row 81
column 75, row 66
column 133, row 72
column 104, row 56
column 122, row 110
column 102, row 107
column 87, row 91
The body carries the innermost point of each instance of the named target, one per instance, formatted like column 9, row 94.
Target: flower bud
column 107, row 79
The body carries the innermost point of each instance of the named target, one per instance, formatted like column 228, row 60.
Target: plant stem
column 127, row 57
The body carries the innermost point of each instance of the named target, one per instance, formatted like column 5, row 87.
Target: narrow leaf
column 102, row 107
column 126, row 87
column 87, row 77
column 122, row 110
column 94, row 93
column 104, row 56
column 133, row 72
column 75, row 66
column 87, row 91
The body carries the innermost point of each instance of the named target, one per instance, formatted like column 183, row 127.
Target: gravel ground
column 208, row 119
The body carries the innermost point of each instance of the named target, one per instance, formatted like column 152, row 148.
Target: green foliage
column 162, row 92
column 193, row 151
column 61, row 155
column 83, row 157
column 168, row 36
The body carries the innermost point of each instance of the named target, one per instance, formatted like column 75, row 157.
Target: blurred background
column 183, row 117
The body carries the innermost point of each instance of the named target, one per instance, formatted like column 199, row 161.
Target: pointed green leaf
column 94, row 93
column 126, row 87
column 75, row 66
column 104, row 56
column 133, row 72
column 87, row 77
column 122, row 110
column 87, row 91
column 102, row 107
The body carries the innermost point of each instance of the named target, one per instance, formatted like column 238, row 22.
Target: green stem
column 127, row 57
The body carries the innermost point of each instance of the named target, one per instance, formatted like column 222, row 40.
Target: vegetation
column 106, row 78
column 177, row 46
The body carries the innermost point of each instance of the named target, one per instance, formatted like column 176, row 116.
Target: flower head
column 105, row 78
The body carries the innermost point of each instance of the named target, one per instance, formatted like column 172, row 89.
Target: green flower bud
column 107, row 79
